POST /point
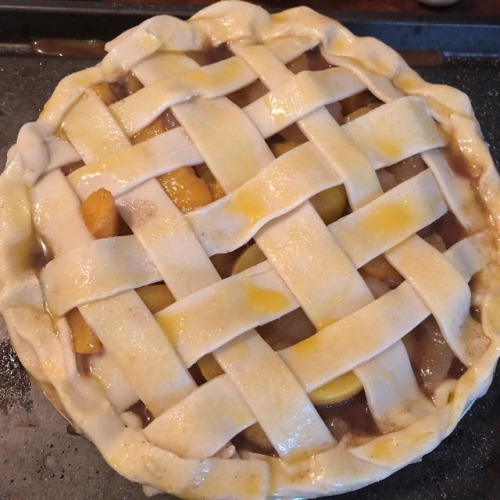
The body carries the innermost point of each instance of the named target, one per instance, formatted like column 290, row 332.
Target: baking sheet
column 41, row 457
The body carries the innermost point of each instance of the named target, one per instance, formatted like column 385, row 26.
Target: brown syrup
column 210, row 54
column 358, row 101
column 287, row 330
column 141, row 410
column 224, row 262
column 316, row 62
column 195, row 372
column 261, row 445
column 352, row 415
column 457, row 369
column 431, row 358
column 450, row 229
column 422, row 58
column 77, row 49
column 475, row 312
column 34, row 254
column 68, row 169
column 71, row 430
column 40, row 257
column 123, row 227
column 246, row 95
column 122, row 88
column 169, row 120
column 458, row 162
column 83, row 363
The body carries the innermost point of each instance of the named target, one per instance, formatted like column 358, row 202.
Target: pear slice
column 85, row 341
column 330, row 203
column 339, row 389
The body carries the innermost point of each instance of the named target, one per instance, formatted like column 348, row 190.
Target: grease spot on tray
column 14, row 382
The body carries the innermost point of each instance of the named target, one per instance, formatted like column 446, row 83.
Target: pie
column 253, row 255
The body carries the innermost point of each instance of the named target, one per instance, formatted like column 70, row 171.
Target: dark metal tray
column 453, row 34
column 38, row 458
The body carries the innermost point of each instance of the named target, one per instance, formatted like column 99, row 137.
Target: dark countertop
column 483, row 7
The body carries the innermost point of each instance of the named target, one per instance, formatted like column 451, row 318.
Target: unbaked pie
column 253, row 255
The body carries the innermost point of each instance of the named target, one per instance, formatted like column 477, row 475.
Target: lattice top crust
column 218, row 93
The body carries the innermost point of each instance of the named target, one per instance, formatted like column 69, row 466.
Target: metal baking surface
column 41, row 456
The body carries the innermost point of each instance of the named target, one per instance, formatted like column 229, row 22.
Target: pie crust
column 187, row 448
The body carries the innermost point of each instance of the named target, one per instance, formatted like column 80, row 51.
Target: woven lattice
column 309, row 265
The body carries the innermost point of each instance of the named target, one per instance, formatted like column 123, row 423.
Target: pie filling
column 332, row 243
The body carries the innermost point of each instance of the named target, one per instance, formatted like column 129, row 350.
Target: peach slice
column 85, row 341
column 100, row 214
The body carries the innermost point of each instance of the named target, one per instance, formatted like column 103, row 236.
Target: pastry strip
column 299, row 96
column 394, row 131
column 448, row 297
column 456, row 192
column 145, row 209
column 200, row 424
column 141, row 108
column 390, row 219
column 246, row 300
column 48, row 204
column 395, row 402
column 290, row 180
column 114, row 382
column 292, row 435
column 97, row 270
column 288, row 242
column 128, row 330
column 104, row 136
column 130, row 166
column 355, row 338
